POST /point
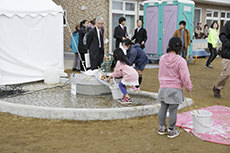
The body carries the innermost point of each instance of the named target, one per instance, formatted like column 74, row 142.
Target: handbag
column 87, row 60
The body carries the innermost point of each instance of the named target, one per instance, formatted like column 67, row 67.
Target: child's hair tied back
column 175, row 44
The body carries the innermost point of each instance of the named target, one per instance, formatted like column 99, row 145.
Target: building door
column 151, row 25
column 169, row 25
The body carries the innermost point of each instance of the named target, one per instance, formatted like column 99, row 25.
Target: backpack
column 72, row 44
column 88, row 29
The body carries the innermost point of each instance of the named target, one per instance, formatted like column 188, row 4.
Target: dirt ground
column 138, row 135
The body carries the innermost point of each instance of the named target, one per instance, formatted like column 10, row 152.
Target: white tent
column 31, row 40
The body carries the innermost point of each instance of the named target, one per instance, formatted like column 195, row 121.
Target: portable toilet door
column 186, row 12
column 173, row 13
column 151, row 25
column 161, row 20
column 169, row 25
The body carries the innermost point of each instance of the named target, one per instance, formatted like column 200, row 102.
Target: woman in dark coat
column 81, row 47
column 140, row 34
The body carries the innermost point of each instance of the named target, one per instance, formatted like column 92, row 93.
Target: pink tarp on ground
column 220, row 131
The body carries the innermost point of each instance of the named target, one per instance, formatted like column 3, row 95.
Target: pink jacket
column 173, row 72
column 128, row 73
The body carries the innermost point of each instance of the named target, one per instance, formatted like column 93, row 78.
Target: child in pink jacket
column 173, row 76
column 124, row 69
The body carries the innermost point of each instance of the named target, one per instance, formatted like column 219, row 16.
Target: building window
column 129, row 6
column 211, row 16
column 209, row 13
column 141, row 11
column 198, row 15
column 223, row 14
column 141, row 7
column 210, row 21
column 117, row 5
column 228, row 15
column 215, row 14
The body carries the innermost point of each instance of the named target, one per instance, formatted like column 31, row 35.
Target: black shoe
column 74, row 69
column 216, row 92
column 209, row 67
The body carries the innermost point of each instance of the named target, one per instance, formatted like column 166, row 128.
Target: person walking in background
column 92, row 23
column 198, row 31
column 76, row 62
column 225, row 54
column 95, row 44
column 206, row 31
column 120, row 32
column 212, row 43
column 136, row 56
column 124, row 69
column 89, row 27
column 140, row 34
column 81, row 47
column 173, row 75
column 184, row 35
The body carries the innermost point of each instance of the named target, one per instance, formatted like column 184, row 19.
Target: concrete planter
column 83, row 114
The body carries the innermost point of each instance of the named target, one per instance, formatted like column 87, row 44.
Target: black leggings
column 213, row 54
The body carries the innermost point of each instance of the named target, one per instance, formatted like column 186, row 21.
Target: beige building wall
column 94, row 8
column 75, row 15
column 204, row 7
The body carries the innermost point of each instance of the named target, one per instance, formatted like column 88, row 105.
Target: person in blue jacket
column 136, row 56
column 76, row 62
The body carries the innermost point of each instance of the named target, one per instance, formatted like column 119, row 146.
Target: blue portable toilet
column 161, row 20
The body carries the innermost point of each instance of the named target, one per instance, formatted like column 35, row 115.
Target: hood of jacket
column 170, row 59
column 75, row 34
column 137, row 45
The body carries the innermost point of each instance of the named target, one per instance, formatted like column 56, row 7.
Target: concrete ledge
column 84, row 114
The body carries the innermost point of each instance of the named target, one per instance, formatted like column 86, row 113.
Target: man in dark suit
column 95, row 44
column 140, row 34
column 120, row 32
